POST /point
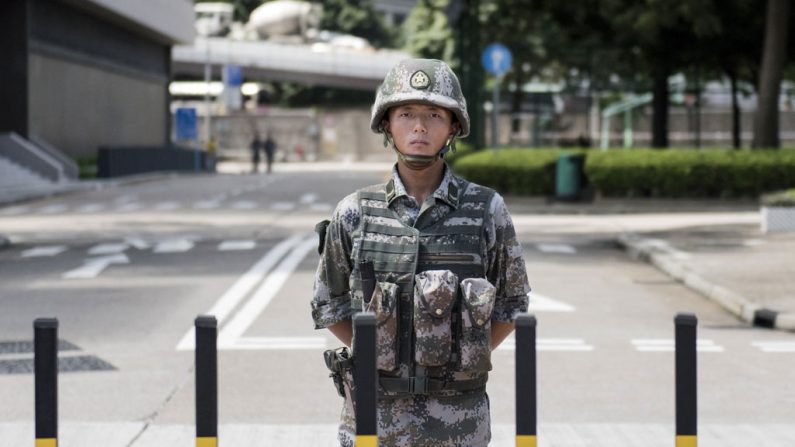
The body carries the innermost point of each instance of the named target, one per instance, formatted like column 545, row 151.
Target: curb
column 665, row 258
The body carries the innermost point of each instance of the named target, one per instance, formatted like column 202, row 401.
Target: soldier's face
column 420, row 129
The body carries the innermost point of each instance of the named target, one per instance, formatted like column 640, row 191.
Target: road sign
column 496, row 59
column 186, row 124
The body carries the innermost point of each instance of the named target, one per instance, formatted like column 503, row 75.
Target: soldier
column 449, row 271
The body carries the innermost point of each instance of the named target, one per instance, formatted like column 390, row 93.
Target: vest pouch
column 435, row 293
column 383, row 305
column 478, row 296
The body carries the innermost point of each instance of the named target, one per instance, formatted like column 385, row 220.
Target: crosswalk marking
column 321, row 207
column 236, row 245
column 308, row 198
column 94, row 266
column 556, row 248
column 132, row 206
column 775, row 346
column 541, row 303
column 14, row 211
column 244, row 205
column 90, row 208
column 44, row 251
column 167, row 206
column 207, row 204
column 52, row 209
column 551, row 344
column 174, row 246
column 107, row 249
column 667, row 345
column 283, row 206
column 277, row 343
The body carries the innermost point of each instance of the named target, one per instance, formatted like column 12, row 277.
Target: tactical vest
column 432, row 303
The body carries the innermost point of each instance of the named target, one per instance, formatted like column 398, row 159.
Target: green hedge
column 528, row 172
column 690, row 173
column 637, row 172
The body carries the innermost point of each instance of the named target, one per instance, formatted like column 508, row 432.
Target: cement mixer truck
column 283, row 18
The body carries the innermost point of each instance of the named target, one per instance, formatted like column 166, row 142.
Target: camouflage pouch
column 435, row 293
column 383, row 305
column 478, row 297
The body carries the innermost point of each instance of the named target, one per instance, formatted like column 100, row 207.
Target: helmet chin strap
column 420, row 162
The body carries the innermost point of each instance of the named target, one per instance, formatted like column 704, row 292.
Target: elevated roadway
column 300, row 63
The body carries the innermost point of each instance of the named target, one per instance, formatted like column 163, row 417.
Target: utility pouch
column 383, row 305
column 478, row 296
column 435, row 293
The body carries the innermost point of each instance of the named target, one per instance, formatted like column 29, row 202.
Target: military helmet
column 428, row 81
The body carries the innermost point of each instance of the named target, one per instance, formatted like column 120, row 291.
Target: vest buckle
column 419, row 385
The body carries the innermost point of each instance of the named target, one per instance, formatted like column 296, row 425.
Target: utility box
column 568, row 176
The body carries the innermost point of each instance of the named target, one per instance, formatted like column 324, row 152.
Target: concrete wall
column 81, row 107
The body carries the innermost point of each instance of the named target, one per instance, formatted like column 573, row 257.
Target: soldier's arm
column 500, row 330
column 343, row 331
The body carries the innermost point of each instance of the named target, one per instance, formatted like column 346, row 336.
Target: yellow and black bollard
column 206, row 381
column 686, row 378
column 526, row 416
column 365, row 380
column 45, row 367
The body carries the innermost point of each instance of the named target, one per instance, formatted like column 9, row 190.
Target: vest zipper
column 447, row 258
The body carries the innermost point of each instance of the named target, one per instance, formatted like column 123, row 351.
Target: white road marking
column 244, row 205
column 174, row 246
column 167, row 206
column 241, row 288
column 277, row 343
column 44, row 251
column 108, row 249
column 236, row 245
column 321, row 207
column 207, row 204
column 550, row 344
column 541, row 303
column 663, row 246
column 264, row 294
column 308, row 198
column 52, row 209
column 90, row 208
column 94, row 266
column 775, row 346
column 137, row 242
column 132, row 206
column 667, row 345
column 14, row 211
column 556, row 248
column 283, row 206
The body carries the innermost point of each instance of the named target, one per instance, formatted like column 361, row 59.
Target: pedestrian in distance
column 256, row 147
column 270, row 149
column 449, row 273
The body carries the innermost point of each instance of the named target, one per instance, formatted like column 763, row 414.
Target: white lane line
column 236, row 245
column 283, row 206
column 308, row 198
column 244, row 205
column 541, row 303
column 667, row 345
column 94, row 266
column 108, row 249
column 14, row 211
column 775, row 346
column 132, row 206
column 660, row 245
column 551, row 344
column 52, row 209
column 207, row 204
column 264, row 294
column 321, row 207
column 174, row 246
column 167, row 206
column 241, row 288
column 90, row 208
column 278, row 343
column 556, row 248
column 137, row 242
column 44, row 251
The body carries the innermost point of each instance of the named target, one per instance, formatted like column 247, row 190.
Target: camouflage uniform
column 455, row 419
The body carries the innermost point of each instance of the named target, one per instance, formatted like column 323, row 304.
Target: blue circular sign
column 496, row 59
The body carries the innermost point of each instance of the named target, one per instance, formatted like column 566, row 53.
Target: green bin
column 568, row 176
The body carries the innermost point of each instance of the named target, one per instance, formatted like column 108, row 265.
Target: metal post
column 207, row 68
column 365, row 379
column 45, row 366
column 495, row 112
column 206, row 381
column 628, row 129
column 686, row 378
column 526, row 406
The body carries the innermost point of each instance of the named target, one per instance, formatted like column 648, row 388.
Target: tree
column 427, row 31
column 772, row 67
column 357, row 17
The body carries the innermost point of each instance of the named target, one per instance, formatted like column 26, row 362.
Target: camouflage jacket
column 331, row 303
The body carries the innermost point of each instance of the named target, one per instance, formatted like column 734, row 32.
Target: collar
column 447, row 191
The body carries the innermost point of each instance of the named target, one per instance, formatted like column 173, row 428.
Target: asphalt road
column 127, row 269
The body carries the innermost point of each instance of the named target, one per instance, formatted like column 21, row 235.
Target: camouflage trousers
column 426, row 421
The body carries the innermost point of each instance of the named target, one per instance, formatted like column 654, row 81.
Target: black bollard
column 686, row 378
column 206, row 381
column 365, row 379
column 526, row 406
column 45, row 367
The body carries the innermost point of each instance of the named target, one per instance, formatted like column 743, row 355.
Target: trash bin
column 568, row 175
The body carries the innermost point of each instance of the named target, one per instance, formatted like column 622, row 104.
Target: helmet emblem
column 419, row 80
